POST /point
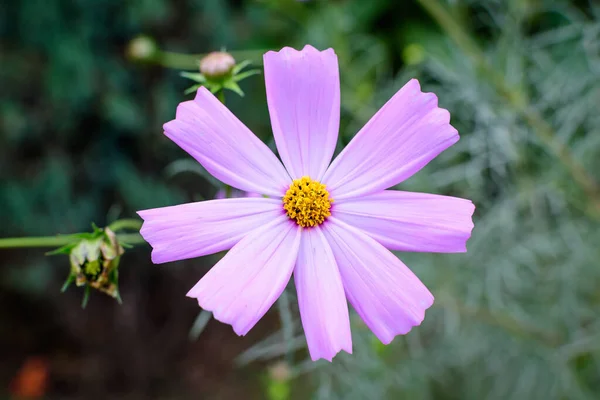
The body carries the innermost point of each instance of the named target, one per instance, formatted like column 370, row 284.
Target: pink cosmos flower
column 329, row 225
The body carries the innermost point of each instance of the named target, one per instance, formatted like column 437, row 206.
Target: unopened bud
column 141, row 48
column 280, row 371
column 217, row 64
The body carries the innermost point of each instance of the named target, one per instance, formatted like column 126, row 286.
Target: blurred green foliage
column 515, row 318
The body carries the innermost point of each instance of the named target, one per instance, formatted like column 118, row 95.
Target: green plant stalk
column 57, row 241
column 287, row 325
column 43, row 241
column 541, row 128
column 128, row 223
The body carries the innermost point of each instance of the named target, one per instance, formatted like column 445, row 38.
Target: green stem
column 131, row 238
column 221, row 96
column 128, row 223
column 57, row 241
column 287, row 325
column 177, row 60
column 517, row 99
column 43, row 241
column 61, row 240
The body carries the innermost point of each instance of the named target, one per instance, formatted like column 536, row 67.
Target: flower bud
column 141, row 48
column 280, row 371
column 217, row 64
column 278, row 382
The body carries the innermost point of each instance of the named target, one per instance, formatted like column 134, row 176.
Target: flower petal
column 401, row 138
column 219, row 141
column 197, row 229
column 408, row 221
column 303, row 93
column 242, row 287
column 321, row 298
column 382, row 290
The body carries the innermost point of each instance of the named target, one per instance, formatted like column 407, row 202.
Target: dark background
column 81, row 141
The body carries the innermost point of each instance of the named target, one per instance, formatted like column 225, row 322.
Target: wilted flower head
column 327, row 224
column 94, row 260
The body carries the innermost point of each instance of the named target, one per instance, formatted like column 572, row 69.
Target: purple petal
column 219, row 141
column 382, row 290
column 197, row 229
column 242, row 287
column 411, row 221
column 405, row 134
column 303, row 92
column 321, row 298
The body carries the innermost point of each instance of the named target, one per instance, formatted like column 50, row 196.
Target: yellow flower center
column 307, row 202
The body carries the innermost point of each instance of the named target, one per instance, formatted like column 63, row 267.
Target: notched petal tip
column 471, row 224
column 291, row 52
column 240, row 294
column 157, row 258
column 390, row 299
column 203, row 92
column 443, row 114
column 239, row 329
column 311, row 49
column 415, row 85
column 170, row 126
column 225, row 147
column 398, row 141
column 415, row 322
column 331, row 356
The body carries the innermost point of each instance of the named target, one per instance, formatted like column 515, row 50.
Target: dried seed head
column 95, row 261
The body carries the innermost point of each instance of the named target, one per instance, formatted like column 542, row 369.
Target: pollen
column 307, row 202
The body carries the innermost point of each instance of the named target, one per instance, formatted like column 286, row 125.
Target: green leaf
column 233, row 87
column 95, row 228
column 240, row 66
column 214, row 88
column 66, row 249
column 67, row 283
column 195, row 76
column 86, row 296
column 125, row 245
column 246, row 74
column 192, row 89
column 199, row 324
